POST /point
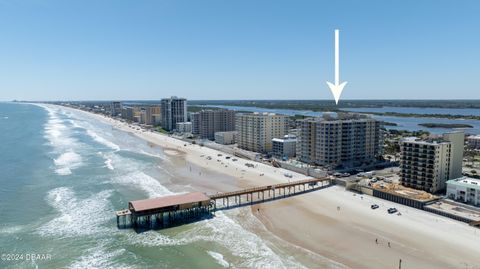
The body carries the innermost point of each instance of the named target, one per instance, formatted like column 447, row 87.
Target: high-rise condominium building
column 346, row 141
column 207, row 122
column 255, row 131
column 173, row 110
column 428, row 164
column 152, row 115
column 115, row 108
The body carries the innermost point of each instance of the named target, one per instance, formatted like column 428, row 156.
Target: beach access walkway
column 174, row 210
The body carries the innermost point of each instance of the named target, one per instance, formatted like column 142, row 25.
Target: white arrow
column 337, row 88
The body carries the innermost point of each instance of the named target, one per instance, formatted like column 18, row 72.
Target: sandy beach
column 331, row 222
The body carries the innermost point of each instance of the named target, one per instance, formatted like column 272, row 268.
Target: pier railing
column 184, row 210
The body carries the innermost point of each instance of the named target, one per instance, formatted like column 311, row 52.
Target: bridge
column 179, row 209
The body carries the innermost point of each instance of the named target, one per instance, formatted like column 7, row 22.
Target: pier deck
column 172, row 210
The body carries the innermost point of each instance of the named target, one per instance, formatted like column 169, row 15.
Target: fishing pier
column 173, row 210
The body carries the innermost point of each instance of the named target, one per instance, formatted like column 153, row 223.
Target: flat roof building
column 345, row 141
column 225, row 138
column 255, row 131
column 465, row 190
column 428, row 164
column 208, row 122
column 284, row 148
column 184, row 127
column 173, row 110
column 116, row 109
column 473, row 141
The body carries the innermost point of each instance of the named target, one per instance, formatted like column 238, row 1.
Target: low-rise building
column 473, row 141
column 225, row 138
column 465, row 190
column 284, row 148
column 184, row 127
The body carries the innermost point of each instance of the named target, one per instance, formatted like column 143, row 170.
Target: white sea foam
column 155, row 155
column 250, row 250
column 10, row 230
column 59, row 137
column 77, row 217
column 108, row 164
column 218, row 258
column 143, row 181
column 6, row 118
column 66, row 162
column 102, row 140
column 99, row 257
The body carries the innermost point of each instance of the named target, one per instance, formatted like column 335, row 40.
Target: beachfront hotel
column 464, row 189
column 255, row 131
column 345, row 141
column 428, row 164
column 173, row 110
column 207, row 122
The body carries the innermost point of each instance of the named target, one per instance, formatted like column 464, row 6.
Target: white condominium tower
column 428, row 164
column 255, row 131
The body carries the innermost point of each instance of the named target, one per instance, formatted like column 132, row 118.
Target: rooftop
column 168, row 201
column 286, row 138
column 465, row 181
column 430, row 141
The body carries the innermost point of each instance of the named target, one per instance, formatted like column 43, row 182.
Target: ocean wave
column 11, row 229
column 102, row 140
column 64, row 145
column 249, row 247
column 66, row 162
column 108, row 164
column 99, row 257
column 250, row 250
column 155, row 155
column 146, row 183
column 78, row 217
column 218, row 258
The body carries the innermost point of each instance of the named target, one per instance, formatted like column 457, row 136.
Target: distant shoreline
column 445, row 125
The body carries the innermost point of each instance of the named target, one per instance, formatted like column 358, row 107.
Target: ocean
column 63, row 174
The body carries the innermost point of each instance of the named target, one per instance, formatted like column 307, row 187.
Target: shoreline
column 347, row 235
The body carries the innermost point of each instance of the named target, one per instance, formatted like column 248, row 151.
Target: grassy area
column 160, row 130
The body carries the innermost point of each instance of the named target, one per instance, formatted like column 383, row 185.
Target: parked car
column 392, row 210
column 375, row 206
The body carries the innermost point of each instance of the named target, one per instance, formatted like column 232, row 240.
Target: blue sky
column 88, row 50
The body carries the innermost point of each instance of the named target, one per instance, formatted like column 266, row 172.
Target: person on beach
column 388, row 244
column 376, row 241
